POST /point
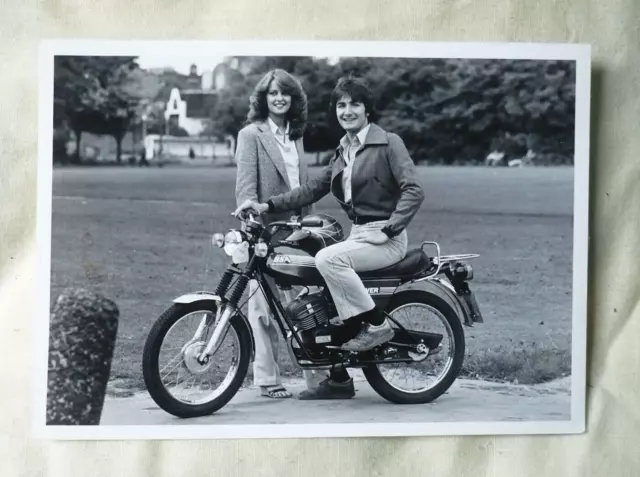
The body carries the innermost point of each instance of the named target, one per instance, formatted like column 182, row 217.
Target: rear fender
column 193, row 297
column 442, row 288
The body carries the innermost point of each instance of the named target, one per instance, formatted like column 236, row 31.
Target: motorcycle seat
column 415, row 261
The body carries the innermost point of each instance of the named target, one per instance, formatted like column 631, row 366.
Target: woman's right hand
column 249, row 205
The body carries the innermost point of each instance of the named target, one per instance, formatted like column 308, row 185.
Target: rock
column 81, row 341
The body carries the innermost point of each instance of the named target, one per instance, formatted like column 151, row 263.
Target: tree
column 176, row 130
column 446, row 110
column 451, row 110
column 96, row 94
column 318, row 79
column 230, row 112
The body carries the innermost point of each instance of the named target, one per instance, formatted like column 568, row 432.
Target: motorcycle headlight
column 261, row 249
column 236, row 246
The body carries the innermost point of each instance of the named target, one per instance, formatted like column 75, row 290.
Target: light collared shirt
column 349, row 149
column 289, row 153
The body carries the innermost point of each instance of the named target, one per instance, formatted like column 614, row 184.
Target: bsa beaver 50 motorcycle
column 198, row 352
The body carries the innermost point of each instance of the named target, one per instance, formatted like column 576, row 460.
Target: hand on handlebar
column 250, row 206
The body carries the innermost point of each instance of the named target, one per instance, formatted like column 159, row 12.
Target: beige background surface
column 611, row 445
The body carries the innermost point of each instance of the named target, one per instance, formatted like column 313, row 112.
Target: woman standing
column 375, row 181
column 268, row 156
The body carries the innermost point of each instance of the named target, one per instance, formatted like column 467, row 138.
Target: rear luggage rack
column 443, row 261
column 434, row 260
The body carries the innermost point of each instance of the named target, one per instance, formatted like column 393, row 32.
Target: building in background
column 173, row 125
column 189, row 108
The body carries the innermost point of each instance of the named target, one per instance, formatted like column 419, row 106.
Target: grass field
column 142, row 237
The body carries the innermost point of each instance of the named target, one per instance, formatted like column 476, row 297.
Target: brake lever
column 245, row 216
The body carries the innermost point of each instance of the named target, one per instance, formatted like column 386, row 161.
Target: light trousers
column 266, row 370
column 339, row 263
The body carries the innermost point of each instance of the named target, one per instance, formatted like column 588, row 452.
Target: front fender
column 192, row 297
column 196, row 296
column 444, row 290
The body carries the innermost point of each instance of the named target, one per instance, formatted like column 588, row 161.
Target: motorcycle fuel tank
column 294, row 269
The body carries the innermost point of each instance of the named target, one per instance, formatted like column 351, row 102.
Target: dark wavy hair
column 297, row 114
column 358, row 90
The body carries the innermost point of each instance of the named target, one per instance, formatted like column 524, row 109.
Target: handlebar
column 289, row 223
column 311, row 223
column 250, row 217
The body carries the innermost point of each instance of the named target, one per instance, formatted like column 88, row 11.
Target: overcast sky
column 180, row 64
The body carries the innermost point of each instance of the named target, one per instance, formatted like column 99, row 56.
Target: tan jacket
column 261, row 170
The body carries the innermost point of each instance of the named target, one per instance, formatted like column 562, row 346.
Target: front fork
column 220, row 327
column 201, row 328
column 230, row 295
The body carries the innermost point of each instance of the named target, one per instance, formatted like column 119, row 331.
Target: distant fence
column 186, row 147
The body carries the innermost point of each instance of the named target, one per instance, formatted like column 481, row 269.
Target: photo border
column 580, row 53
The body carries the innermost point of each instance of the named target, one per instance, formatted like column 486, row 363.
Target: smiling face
column 277, row 102
column 351, row 115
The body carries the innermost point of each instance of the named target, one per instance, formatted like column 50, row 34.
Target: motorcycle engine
column 312, row 316
column 310, row 311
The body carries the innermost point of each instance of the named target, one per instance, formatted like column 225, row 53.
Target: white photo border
column 580, row 53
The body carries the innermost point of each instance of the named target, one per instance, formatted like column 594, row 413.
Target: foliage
column 451, row 111
column 95, row 94
column 231, row 110
column 446, row 110
column 175, row 130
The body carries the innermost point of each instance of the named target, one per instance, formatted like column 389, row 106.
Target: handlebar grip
column 311, row 223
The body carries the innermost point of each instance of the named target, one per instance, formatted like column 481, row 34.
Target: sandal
column 275, row 392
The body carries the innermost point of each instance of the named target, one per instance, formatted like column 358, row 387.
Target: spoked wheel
column 175, row 379
column 433, row 371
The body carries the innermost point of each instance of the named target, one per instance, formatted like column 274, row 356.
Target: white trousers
column 266, row 371
column 339, row 263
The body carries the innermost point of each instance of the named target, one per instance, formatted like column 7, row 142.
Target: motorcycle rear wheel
column 451, row 322
column 240, row 334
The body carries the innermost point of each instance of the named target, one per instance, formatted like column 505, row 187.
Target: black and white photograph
column 311, row 239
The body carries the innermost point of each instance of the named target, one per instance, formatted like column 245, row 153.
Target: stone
column 82, row 336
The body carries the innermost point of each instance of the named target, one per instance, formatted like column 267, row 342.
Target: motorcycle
column 215, row 357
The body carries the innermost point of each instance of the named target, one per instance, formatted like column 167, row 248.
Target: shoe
column 370, row 337
column 329, row 389
column 275, row 392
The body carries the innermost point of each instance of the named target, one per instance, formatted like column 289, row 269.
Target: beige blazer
column 261, row 170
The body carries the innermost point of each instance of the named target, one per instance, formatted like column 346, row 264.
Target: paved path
column 466, row 400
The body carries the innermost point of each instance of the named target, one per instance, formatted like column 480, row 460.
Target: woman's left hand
column 374, row 237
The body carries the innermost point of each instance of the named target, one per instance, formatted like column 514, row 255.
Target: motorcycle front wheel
column 425, row 380
column 174, row 378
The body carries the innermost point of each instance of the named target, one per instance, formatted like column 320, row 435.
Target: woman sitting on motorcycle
column 375, row 181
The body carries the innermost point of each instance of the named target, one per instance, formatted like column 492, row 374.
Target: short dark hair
column 358, row 90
